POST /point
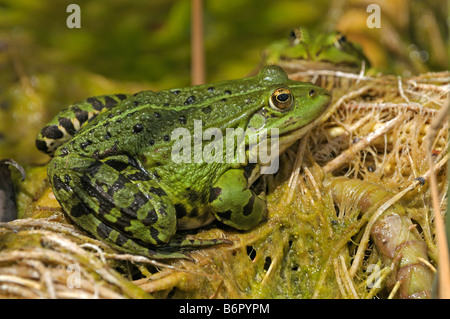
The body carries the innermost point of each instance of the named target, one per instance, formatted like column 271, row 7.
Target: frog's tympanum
column 112, row 169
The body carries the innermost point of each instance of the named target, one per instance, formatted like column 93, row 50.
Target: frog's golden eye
column 281, row 100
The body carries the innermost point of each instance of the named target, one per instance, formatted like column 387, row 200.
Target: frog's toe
column 180, row 244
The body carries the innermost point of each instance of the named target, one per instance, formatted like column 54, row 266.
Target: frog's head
column 335, row 48
column 330, row 47
column 292, row 107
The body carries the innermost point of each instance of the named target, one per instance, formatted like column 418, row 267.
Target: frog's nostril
column 312, row 93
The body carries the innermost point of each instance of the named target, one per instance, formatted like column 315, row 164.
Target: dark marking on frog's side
column 64, row 151
column 85, row 144
column 157, row 191
column 151, row 218
column 225, row 215
column 96, row 104
column 81, row 115
column 151, row 142
column 214, row 193
column 67, row 179
column 211, row 89
column 133, row 162
column 139, row 201
column 181, row 211
column 110, row 102
column 103, row 231
column 190, row 100
column 93, row 168
column 131, row 114
column 105, row 205
column 58, row 184
column 117, row 165
column 248, row 169
column 227, row 92
column 67, row 124
column 157, row 115
column 182, row 119
column 88, row 187
column 193, row 196
column 121, row 96
column 193, row 213
column 156, row 175
column 155, row 233
column 79, row 210
column 52, row 132
column 138, row 128
column 116, row 186
column 248, row 208
column 139, row 176
column 207, row 109
column 121, row 239
column 176, row 92
column 42, row 146
column 166, row 138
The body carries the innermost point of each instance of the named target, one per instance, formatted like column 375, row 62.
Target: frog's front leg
column 115, row 201
column 234, row 203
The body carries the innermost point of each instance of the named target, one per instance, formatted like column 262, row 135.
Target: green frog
column 305, row 51
column 113, row 172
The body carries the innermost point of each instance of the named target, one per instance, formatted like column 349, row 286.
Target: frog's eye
column 295, row 36
column 281, row 100
column 340, row 41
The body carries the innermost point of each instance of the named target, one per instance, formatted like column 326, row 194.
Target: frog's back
column 104, row 125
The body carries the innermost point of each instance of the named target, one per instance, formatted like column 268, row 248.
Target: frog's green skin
column 113, row 174
column 332, row 48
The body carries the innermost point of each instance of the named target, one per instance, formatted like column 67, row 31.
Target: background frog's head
column 292, row 107
column 335, row 48
column 332, row 47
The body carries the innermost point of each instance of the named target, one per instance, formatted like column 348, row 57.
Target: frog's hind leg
column 116, row 201
column 104, row 202
column 136, row 174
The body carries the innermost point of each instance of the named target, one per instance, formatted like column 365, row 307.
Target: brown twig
column 197, row 47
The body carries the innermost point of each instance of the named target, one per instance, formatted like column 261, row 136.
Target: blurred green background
column 127, row 46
